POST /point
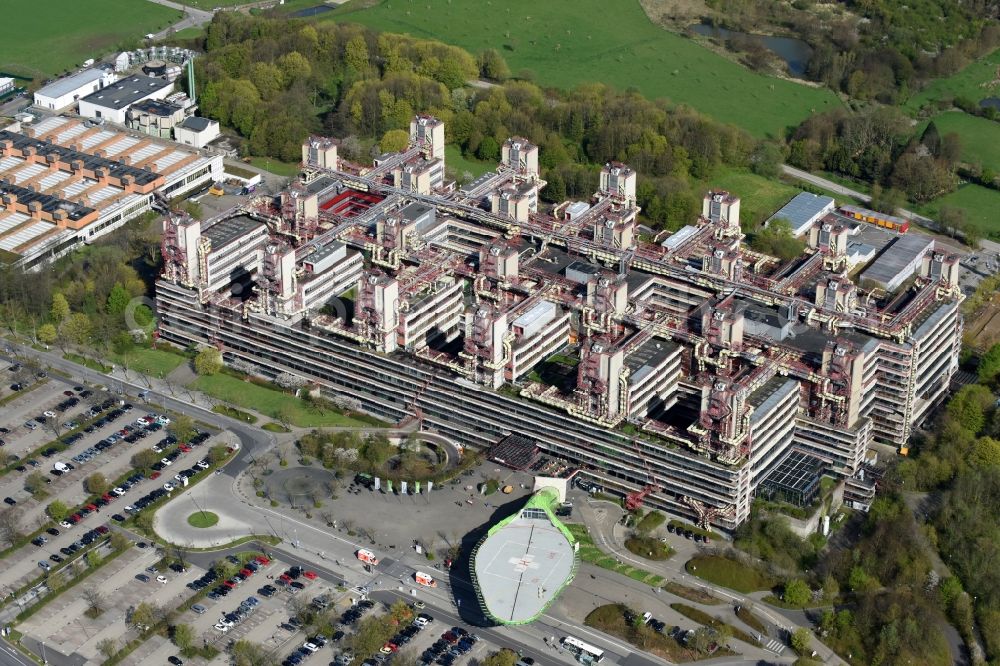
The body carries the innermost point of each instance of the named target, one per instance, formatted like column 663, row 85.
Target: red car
column 185, row 448
column 450, row 637
column 154, row 475
column 75, row 518
column 231, row 584
column 69, row 393
column 101, row 529
column 260, row 559
column 311, row 575
column 108, row 497
column 285, row 578
column 246, row 572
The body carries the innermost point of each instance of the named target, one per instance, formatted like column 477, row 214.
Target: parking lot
column 64, row 624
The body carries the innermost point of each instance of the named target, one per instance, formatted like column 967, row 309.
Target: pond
column 311, row 11
column 990, row 103
column 794, row 52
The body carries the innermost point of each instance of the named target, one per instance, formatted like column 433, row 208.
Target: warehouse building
column 802, row 211
column 65, row 92
column 112, row 102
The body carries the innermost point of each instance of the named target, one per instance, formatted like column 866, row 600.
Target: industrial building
column 803, row 211
column 680, row 374
column 112, row 102
column 6, row 85
column 63, row 183
column 65, row 92
column 196, row 131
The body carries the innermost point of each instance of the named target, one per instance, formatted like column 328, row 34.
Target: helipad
column 524, row 561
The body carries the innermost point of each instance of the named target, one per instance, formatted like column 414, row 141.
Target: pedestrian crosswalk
column 775, row 646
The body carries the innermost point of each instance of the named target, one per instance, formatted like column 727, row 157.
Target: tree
column 77, row 328
column 766, row 159
column 94, row 599
column 35, row 482
column 108, row 647
column 59, row 311
column 57, row 510
column 986, row 452
column 777, row 240
column 248, row 653
column 97, row 484
column 989, row 365
column 182, row 427
column 47, row 334
column 183, row 637
column 10, row 525
column 119, row 542
column 801, row 640
column 492, row 66
column 886, row 200
column 702, row 640
column 145, row 459
column 394, row 141
column 118, row 300
column 797, row 592
column 217, row 454
column 208, row 361
column 224, row 569
column 376, row 450
column 356, row 54
column 143, row 617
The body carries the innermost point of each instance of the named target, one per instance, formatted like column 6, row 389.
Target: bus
column 583, row 649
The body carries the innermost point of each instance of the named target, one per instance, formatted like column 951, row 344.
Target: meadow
column 565, row 43
column 760, row 197
column 41, row 42
column 972, row 82
column 980, row 137
column 980, row 205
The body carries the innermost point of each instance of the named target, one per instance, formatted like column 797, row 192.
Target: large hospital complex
column 683, row 370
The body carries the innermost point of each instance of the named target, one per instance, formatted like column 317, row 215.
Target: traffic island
column 203, row 519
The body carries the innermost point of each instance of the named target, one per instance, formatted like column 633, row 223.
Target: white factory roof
column 675, row 239
column 898, row 258
column 71, row 83
column 536, row 317
column 24, row 235
column 804, row 209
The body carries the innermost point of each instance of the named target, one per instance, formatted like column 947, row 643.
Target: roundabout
column 203, row 519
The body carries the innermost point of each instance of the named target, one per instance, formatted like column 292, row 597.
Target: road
column 192, row 17
column 317, row 547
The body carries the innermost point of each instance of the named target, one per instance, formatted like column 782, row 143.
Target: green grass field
column 759, row 197
column 153, row 362
column 458, row 164
column 270, row 402
column 980, row 205
column 729, row 573
column 972, row 83
column 42, row 41
column 277, row 167
column 980, row 137
column 570, row 42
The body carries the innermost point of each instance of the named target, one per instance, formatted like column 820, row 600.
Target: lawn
column 729, row 573
column 44, row 41
column 277, row 167
column 971, row 82
column 189, row 33
column 589, row 552
column 980, row 205
column 203, row 519
column 703, row 618
column 565, row 43
column 980, row 137
column 759, row 197
column 459, row 164
column 153, row 362
column 271, row 402
column 649, row 548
